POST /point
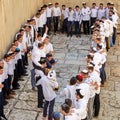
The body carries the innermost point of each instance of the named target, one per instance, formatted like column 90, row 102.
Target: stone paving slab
column 70, row 53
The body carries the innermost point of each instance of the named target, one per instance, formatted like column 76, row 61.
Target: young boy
column 69, row 91
column 56, row 116
column 49, row 84
column 65, row 110
column 1, row 95
column 81, row 108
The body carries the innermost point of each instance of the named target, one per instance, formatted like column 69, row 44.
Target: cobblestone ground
column 70, row 53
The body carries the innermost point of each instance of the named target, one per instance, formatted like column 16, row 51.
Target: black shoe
column 25, row 74
column 15, row 88
column 25, row 67
column 5, row 103
column 3, row 116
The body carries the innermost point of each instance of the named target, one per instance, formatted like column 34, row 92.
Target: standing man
column 56, row 16
column 85, row 18
column 77, row 15
column 94, row 12
column 65, row 17
column 70, row 22
column 101, row 11
column 113, row 16
column 107, row 9
column 49, row 17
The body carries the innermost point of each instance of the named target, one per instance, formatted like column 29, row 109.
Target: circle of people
column 82, row 100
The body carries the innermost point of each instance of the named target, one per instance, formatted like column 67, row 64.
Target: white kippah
column 85, row 71
column 82, row 92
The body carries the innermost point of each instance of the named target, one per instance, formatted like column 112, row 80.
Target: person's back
column 69, row 91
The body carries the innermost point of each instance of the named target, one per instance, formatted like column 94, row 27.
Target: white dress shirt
column 94, row 77
column 65, row 13
column 48, row 48
column 40, row 21
column 48, row 86
column 81, row 108
column 44, row 17
column 86, row 88
column 48, row 12
column 94, row 12
column 5, row 70
column 85, row 14
column 77, row 15
column 56, row 11
column 11, row 67
column 107, row 12
column 101, row 13
column 36, row 56
column 71, row 15
column 69, row 92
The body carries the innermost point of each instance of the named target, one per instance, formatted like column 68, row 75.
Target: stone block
column 17, row 114
column 112, row 58
column 115, row 71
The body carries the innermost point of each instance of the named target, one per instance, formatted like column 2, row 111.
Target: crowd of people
column 82, row 94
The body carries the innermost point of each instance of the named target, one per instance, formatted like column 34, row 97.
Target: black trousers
column 49, row 20
column 56, row 21
column 77, row 28
column 69, row 28
column 64, row 25
column 96, row 105
column 9, row 84
column 40, row 31
column 93, row 20
column 20, row 68
column 15, row 78
column 114, row 35
column 40, row 96
column 1, row 104
column 86, row 28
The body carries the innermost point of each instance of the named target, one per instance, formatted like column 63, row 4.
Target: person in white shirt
column 49, row 17
column 36, row 17
column 37, row 54
column 69, row 91
column 114, row 17
column 81, row 108
column 39, row 73
column 85, row 18
column 2, row 115
column 49, row 85
column 107, row 31
column 103, row 61
column 40, row 39
column 70, row 22
column 21, row 69
column 56, row 16
column 107, row 9
column 81, row 84
column 94, row 12
column 40, row 22
column 95, row 83
column 11, row 67
column 77, row 15
column 65, row 110
column 65, row 18
column 101, row 11
column 48, row 47
column 44, row 18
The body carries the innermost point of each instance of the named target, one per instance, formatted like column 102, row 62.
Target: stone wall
column 14, row 13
